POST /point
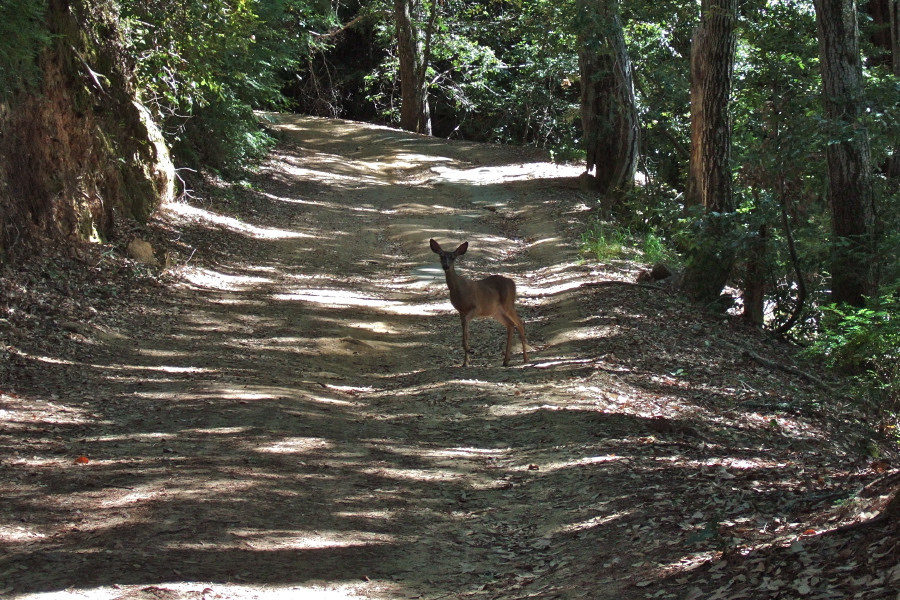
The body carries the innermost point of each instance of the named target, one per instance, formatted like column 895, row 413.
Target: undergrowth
column 865, row 344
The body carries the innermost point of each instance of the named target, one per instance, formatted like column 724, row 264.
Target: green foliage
column 534, row 99
column 213, row 62
column 23, row 35
column 499, row 72
column 607, row 240
column 223, row 135
column 604, row 241
column 658, row 36
column 865, row 343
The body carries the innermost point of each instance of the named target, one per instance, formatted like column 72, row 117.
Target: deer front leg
column 465, row 340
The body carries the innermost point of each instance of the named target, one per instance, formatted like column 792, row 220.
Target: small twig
column 94, row 75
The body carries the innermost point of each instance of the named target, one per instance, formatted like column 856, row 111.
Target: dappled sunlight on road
column 507, row 173
column 193, row 212
column 293, row 422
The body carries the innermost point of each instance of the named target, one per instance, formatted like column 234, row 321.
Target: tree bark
column 885, row 16
column 608, row 112
column 710, row 260
column 411, row 50
column 712, row 66
column 850, row 194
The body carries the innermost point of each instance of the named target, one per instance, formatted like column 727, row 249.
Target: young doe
column 492, row 297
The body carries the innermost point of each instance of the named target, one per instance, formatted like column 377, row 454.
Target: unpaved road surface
column 290, row 419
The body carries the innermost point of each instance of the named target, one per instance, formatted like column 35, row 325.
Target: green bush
column 222, row 135
column 865, row 343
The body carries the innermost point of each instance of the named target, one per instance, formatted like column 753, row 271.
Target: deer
column 492, row 297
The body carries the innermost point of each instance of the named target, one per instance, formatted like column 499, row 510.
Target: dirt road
column 291, row 421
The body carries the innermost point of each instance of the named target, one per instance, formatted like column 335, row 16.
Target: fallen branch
column 590, row 284
column 788, row 369
column 340, row 30
column 614, row 282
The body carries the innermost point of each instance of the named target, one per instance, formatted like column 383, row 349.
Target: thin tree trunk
column 754, row 293
column 608, row 112
column 413, row 62
column 885, row 16
column 853, row 270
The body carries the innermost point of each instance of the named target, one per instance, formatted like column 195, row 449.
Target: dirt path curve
column 290, row 421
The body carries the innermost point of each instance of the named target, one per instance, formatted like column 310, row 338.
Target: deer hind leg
column 509, row 333
column 510, row 318
column 521, row 327
column 504, row 318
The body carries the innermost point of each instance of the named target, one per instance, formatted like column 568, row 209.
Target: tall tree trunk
column 712, row 66
column 608, row 112
column 709, row 180
column 412, row 51
column 884, row 14
column 895, row 36
column 853, row 264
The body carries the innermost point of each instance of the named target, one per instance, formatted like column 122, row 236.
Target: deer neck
column 456, row 283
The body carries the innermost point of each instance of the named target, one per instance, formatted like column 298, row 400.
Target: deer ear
column 435, row 247
column 462, row 248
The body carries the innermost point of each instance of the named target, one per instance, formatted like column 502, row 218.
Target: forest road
column 291, row 420
column 353, row 456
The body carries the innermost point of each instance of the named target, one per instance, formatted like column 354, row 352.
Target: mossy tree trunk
column 78, row 152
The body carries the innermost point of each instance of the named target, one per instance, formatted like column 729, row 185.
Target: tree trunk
column 853, row 271
column 886, row 37
column 895, row 36
column 411, row 50
column 885, row 16
column 608, row 112
column 754, row 292
column 78, row 154
column 709, row 185
column 712, row 65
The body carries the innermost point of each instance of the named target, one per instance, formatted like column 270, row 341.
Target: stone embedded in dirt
column 142, row 251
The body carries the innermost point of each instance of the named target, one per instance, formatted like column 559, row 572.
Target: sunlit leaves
column 221, row 57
